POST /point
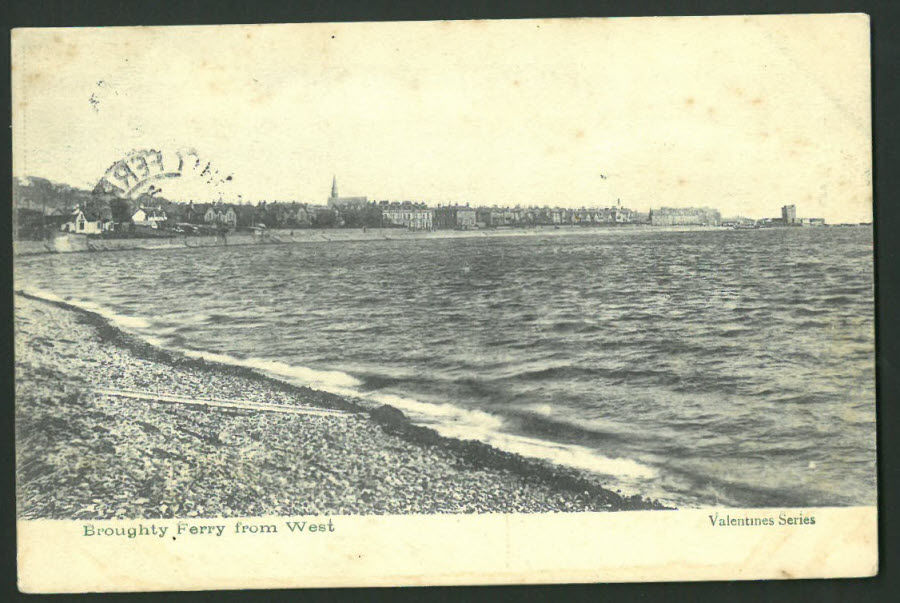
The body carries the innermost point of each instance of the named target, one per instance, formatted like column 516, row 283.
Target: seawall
column 71, row 243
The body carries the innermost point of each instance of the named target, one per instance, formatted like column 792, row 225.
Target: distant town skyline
column 664, row 112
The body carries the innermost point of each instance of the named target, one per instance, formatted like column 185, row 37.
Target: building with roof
column 789, row 218
column 149, row 216
column 684, row 216
column 789, row 214
column 337, row 202
column 454, row 217
column 414, row 216
column 88, row 222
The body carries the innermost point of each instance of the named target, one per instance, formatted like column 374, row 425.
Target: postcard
column 421, row 303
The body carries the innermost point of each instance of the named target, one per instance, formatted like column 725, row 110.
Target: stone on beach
column 87, row 455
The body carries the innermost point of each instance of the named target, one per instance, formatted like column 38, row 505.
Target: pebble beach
column 85, row 454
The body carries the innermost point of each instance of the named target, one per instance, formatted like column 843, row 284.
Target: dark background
column 885, row 61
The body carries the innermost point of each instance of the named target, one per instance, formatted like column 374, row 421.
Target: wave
column 568, row 371
column 575, row 326
column 449, row 420
column 455, row 422
column 841, row 300
column 335, row 382
column 806, row 311
column 120, row 320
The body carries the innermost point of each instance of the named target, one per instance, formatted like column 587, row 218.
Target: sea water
column 716, row 367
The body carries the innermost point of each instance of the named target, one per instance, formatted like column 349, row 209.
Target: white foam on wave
column 335, row 382
column 45, row 295
column 446, row 415
column 571, row 455
column 455, row 422
column 447, row 419
column 121, row 320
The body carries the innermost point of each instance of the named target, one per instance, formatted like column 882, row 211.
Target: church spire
column 334, row 191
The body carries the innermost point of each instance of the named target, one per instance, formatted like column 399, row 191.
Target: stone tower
column 789, row 214
column 334, row 191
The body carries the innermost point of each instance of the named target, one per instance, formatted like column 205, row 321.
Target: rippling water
column 720, row 367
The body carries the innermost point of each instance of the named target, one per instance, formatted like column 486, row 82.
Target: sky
column 744, row 114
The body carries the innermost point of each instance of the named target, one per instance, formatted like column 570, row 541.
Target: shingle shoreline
column 87, row 455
